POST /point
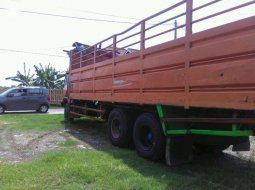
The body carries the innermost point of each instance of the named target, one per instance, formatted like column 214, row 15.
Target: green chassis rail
column 234, row 132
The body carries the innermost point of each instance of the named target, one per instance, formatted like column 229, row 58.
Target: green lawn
column 111, row 167
column 89, row 170
column 33, row 122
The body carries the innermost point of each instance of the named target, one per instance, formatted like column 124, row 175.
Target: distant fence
column 56, row 96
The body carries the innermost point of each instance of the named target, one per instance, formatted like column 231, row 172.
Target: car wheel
column 43, row 108
column 148, row 136
column 2, row 109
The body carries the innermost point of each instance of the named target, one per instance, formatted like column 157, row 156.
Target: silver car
column 25, row 98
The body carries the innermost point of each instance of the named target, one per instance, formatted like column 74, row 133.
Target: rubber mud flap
column 178, row 150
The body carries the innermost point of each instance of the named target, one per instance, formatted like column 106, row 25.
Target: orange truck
column 178, row 82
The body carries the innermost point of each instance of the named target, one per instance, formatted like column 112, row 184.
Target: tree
column 45, row 76
column 25, row 79
column 48, row 77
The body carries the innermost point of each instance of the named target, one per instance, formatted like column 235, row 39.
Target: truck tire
column 120, row 124
column 2, row 109
column 148, row 136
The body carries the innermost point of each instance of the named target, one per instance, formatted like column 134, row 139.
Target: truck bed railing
column 188, row 16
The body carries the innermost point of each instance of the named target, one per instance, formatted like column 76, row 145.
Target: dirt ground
column 16, row 147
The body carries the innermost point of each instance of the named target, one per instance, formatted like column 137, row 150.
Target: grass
column 68, row 143
column 32, row 122
column 119, row 169
column 113, row 168
column 87, row 170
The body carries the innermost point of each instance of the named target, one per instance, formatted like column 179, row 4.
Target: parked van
column 25, row 98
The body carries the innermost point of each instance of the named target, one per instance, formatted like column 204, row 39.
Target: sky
column 51, row 35
column 40, row 38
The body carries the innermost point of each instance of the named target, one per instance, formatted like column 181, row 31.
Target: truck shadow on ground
column 206, row 171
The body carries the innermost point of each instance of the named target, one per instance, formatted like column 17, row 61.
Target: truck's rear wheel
column 120, row 124
column 148, row 136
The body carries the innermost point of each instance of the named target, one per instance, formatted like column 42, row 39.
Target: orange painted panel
column 126, row 97
column 174, row 98
column 75, row 87
column 87, row 74
column 75, row 77
column 163, row 79
column 237, row 45
column 103, row 84
column 235, row 100
column 126, row 82
column 127, row 66
column 241, row 73
column 86, row 86
column 104, row 70
column 167, row 59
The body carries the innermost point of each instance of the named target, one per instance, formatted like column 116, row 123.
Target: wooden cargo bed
column 214, row 68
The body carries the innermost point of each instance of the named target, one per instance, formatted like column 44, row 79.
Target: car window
column 18, row 92
column 34, row 92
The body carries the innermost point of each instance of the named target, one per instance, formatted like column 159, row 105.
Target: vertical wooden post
column 80, row 71
column 189, row 13
column 94, row 68
column 142, row 41
column 114, row 49
column 80, row 58
column 113, row 63
column 142, row 47
column 189, row 10
column 95, row 51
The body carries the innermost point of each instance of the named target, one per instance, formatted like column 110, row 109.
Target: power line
column 117, row 16
column 28, row 52
column 50, row 48
column 86, row 11
column 110, row 15
column 71, row 17
column 84, row 18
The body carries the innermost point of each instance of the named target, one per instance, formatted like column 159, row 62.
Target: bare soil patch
column 17, row 146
